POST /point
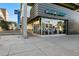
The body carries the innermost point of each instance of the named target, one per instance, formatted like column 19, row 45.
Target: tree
column 4, row 24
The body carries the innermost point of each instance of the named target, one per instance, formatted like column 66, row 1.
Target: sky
column 10, row 7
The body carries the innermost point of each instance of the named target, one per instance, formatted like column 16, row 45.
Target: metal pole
column 18, row 20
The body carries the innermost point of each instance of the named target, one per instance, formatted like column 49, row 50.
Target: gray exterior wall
column 72, row 16
column 38, row 9
column 34, row 11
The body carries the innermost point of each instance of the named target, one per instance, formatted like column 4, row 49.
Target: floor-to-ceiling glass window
column 48, row 26
column 52, row 26
column 44, row 26
column 36, row 27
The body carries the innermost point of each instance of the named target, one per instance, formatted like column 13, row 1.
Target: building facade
column 49, row 19
column 46, row 20
column 4, row 14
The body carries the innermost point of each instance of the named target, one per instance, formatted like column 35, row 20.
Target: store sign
column 52, row 12
column 49, row 12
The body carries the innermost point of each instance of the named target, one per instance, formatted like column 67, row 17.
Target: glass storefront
column 36, row 27
column 45, row 26
column 52, row 26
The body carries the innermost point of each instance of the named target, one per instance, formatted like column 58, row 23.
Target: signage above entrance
column 52, row 12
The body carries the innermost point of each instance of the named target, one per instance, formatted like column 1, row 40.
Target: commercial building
column 49, row 18
column 4, row 14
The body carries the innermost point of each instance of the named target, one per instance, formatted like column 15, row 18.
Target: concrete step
column 10, row 33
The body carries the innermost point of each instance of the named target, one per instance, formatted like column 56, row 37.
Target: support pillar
column 41, row 26
column 25, row 21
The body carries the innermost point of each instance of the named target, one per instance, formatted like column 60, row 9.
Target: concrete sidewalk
column 15, row 45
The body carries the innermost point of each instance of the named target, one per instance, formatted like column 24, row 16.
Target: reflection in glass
column 52, row 26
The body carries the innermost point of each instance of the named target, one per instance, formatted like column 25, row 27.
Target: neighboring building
column 49, row 18
column 21, row 17
column 12, row 26
column 4, row 14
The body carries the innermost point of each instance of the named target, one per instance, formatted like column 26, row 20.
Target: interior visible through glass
column 45, row 26
column 52, row 26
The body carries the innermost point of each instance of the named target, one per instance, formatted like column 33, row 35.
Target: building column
column 25, row 21
column 41, row 25
column 32, row 28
